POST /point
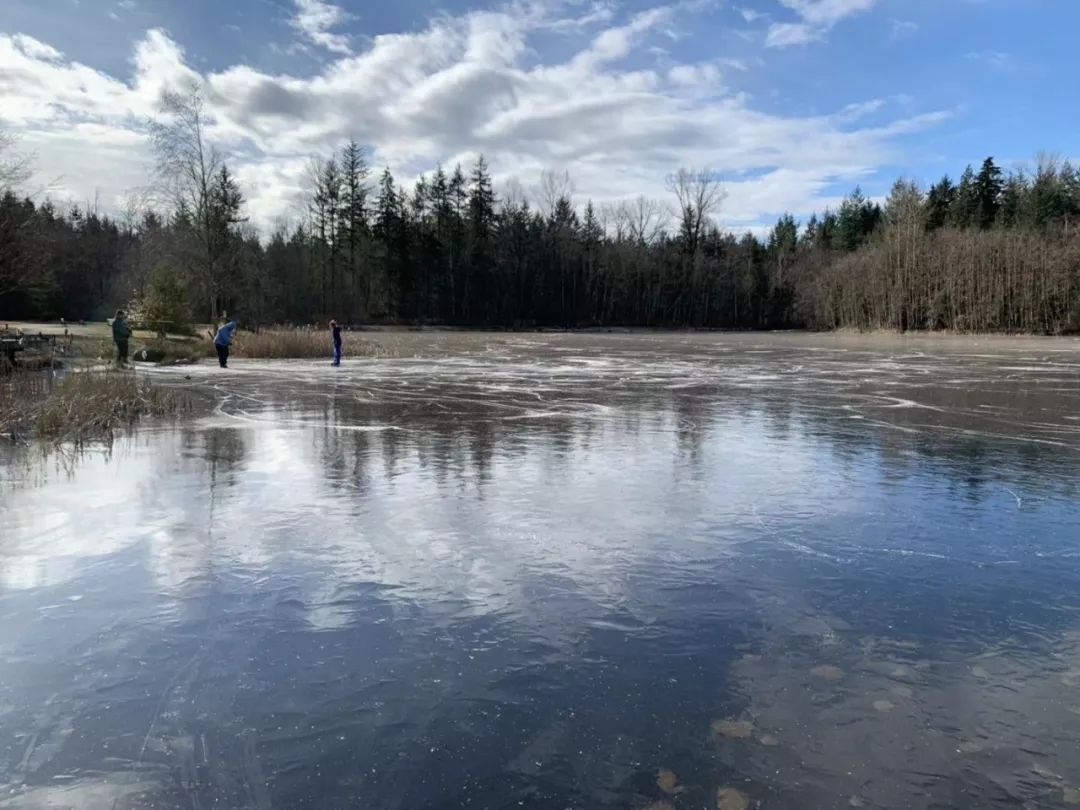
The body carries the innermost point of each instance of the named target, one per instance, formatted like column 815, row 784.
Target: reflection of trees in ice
column 521, row 444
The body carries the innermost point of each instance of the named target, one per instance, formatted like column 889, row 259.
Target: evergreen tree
column 988, row 188
column 809, row 236
column 1050, row 198
column 354, row 223
column 442, row 212
column 964, row 212
column 1013, row 195
column 480, row 265
column 856, row 221
column 223, row 216
column 386, row 234
column 459, row 196
column 444, row 250
column 939, row 204
column 783, row 242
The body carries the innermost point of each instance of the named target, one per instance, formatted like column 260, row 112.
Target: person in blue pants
column 223, row 340
column 335, row 333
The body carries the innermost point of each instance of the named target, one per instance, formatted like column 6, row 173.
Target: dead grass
column 299, row 344
column 81, row 405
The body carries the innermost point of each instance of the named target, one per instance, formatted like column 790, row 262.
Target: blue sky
column 794, row 102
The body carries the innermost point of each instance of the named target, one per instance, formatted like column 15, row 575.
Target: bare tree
column 512, row 195
column 15, row 167
column 699, row 196
column 194, row 178
column 554, row 186
column 646, row 219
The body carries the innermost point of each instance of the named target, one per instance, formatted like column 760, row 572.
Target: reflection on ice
column 530, row 570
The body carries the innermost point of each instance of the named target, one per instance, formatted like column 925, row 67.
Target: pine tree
column 939, row 204
column 591, row 231
column 964, row 212
column 810, row 232
column 442, row 213
column 1048, row 199
column 354, row 222
column 387, row 226
column 223, row 215
column 988, row 188
column 331, row 187
column 1013, row 196
column 480, row 265
column 458, row 196
column 783, row 241
column 856, row 221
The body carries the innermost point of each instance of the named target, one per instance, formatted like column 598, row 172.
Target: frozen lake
column 561, row 571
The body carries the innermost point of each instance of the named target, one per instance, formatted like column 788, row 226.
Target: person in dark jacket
column 223, row 340
column 120, row 334
column 335, row 333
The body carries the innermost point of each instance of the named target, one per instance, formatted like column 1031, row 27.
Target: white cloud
column 994, row 59
column 463, row 85
column 316, row 19
column 826, row 13
column 817, row 18
column 35, row 49
column 703, row 75
column 781, row 35
column 903, row 28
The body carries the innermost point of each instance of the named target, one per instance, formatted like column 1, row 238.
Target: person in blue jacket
column 335, row 333
column 223, row 340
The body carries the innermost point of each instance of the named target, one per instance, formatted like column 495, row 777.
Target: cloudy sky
column 793, row 101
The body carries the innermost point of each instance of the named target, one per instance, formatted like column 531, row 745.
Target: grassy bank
column 82, row 405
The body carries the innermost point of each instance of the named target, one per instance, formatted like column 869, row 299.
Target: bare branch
column 15, row 167
column 699, row 196
column 512, row 195
column 554, row 186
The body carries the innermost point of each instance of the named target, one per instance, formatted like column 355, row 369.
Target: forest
column 988, row 252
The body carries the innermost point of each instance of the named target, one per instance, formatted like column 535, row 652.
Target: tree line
column 989, row 252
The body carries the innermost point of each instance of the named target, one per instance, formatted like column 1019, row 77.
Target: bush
column 163, row 306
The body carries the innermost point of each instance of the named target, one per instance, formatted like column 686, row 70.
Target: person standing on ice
column 335, row 333
column 121, row 332
column 223, row 340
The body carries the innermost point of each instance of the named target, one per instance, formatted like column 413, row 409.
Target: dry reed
column 299, row 344
column 80, row 405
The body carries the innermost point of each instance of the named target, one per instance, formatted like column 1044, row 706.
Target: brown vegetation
column 298, row 344
column 80, row 405
column 998, row 280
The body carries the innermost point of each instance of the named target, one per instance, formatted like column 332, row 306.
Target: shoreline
column 100, row 330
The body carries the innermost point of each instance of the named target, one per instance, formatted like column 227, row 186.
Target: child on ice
column 335, row 332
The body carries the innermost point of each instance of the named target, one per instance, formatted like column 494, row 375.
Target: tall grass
column 81, row 405
column 22, row 394
column 299, row 344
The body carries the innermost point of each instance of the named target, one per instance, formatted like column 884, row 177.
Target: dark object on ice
column 148, row 354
